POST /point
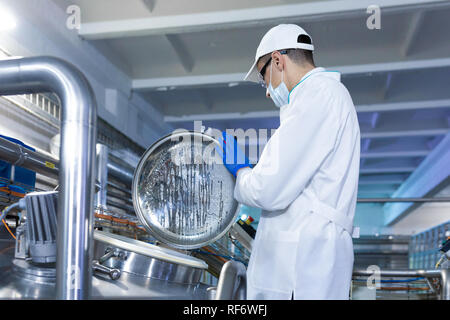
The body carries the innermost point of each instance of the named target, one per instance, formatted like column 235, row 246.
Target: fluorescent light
column 7, row 20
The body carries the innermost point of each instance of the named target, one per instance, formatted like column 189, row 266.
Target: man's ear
column 278, row 61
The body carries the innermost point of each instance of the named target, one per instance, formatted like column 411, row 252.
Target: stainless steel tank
column 144, row 272
column 182, row 200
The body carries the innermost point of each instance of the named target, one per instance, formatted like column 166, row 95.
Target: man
column 306, row 179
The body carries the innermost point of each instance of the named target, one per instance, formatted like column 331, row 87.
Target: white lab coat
column 306, row 185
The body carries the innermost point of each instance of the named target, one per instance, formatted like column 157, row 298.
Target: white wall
column 426, row 216
column 41, row 30
column 21, row 125
column 370, row 217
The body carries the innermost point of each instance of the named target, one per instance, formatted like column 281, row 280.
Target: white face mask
column 279, row 95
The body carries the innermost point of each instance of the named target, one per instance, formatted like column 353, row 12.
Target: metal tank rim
column 135, row 196
column 149, row 250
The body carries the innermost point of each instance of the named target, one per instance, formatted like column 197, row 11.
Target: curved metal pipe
column 232, row 282
column 445, row 280
column 77, row 161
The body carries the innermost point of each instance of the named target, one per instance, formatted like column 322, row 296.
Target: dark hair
column 301, row 56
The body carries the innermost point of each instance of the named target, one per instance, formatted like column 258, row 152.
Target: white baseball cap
column 283, row 36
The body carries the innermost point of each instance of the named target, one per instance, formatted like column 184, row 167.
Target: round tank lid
column 149, row 250
column 182, row 193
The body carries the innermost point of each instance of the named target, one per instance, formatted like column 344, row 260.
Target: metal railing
column 442, row 274
column 232, row 282
column 44, row 103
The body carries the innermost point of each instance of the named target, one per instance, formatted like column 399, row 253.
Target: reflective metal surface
column 131, row 286
column 33, row 272
column 22, row 280
column 152, row 268
column 211, row 293
column 43, row 163
column 77, row 155
column 232, row 282
column 114, row 274
column 146, row 250
column 102, row 176
column 15, row 153
column 182, row 196
column 120, row 173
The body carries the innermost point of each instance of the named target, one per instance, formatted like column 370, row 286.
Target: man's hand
column 233, row 157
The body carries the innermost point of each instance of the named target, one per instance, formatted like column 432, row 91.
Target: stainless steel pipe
column 119, row 188
column 77, row 161
column 121, row 174
column 232, row 283
column 19, row 156
column 102, row 176
column 122, row 206
column 445, row 281
column 42, row 163
column 45, row 164
column 119, row 196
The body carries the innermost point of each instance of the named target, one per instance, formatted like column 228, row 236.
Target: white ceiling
column 188, row 58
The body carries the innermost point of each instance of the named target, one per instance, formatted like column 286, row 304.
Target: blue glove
column 229, row 148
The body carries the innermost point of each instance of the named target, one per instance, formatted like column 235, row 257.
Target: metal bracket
column 114, row 274
column 113, row 252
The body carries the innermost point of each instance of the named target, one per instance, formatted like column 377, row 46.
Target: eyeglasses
column 261, row 73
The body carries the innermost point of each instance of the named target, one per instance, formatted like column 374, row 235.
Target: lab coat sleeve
column 294, row 152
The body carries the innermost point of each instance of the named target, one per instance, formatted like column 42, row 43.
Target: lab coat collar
column 315, row 70
column 334, row 74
